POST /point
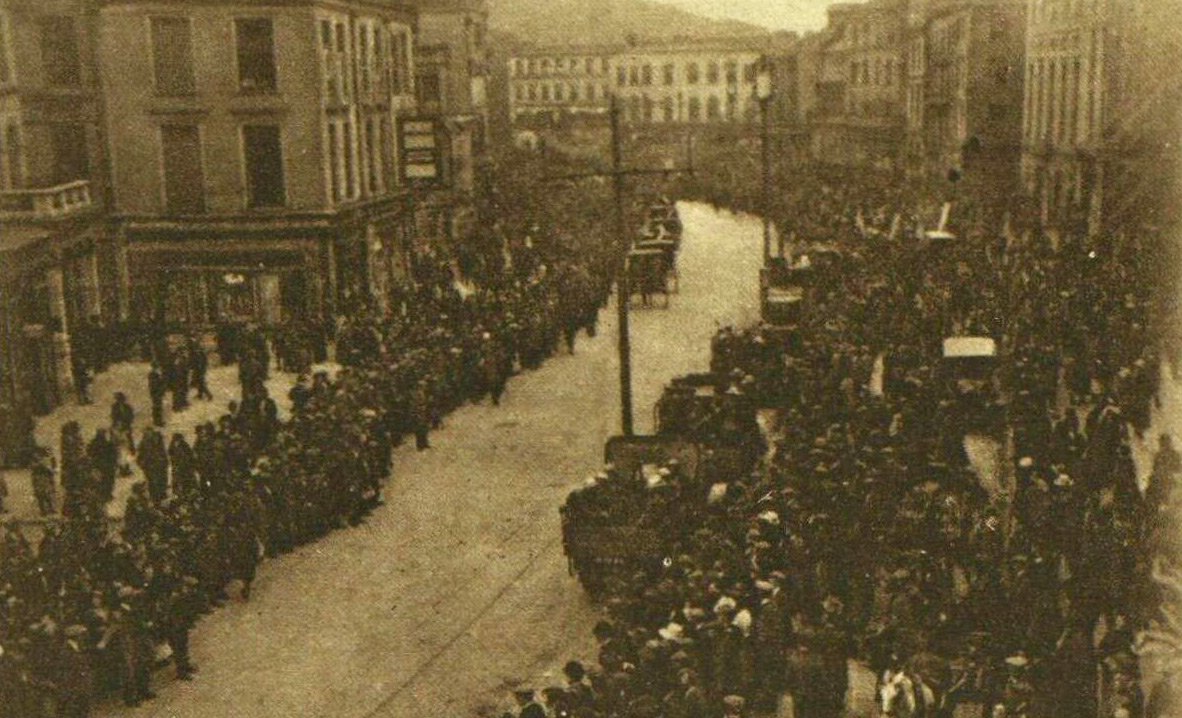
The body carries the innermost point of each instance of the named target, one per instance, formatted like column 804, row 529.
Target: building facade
column 858, row 117
column 708, row 82
column 964, row 96
column 1101, row 104
column 550, row 87
column 254, row 159
column 57, row 272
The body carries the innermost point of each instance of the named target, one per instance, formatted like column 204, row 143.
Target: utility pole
column 623, row 284
column 766, row 118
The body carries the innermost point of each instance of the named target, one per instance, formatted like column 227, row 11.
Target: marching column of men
column 90, row 608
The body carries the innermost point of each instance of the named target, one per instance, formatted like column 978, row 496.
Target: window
column 590, row 92
column 363, row 57
column 71, row 160
column 692, row 73
column 648, row 109
column 558, row 95
column 667, row 74
column 519, row 93
column 545, row 93
column 430, row 89
column 749, row 73
column 712, row 73
column 853, row 73
column 603, row 65
column 546, row 65
column 399, row 64
column 334, row 161
column 646, row 75
column 573, row 93
column 256, row 54
column 621, row 76
column 533, row 92
column 695, row 109
column 184, row 181
column 12, row 158
column 633, row 76
column 373, row 143
column 732, row 72
column 172, row 56
column 350, row 178
column 713, row 108
column 589, row 66
column 667, row 109
column 5, row 66
column 889, row 73
column 59, row 51
column 263, row 157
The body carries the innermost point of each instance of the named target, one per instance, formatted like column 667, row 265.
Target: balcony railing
column 46, row 202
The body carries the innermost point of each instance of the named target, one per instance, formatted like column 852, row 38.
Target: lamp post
column 763, row 92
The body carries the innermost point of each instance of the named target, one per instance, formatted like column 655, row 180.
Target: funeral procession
column 590, row 359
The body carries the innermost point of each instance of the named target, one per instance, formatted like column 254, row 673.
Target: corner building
column 253, row 152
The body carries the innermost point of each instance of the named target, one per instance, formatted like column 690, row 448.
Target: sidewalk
column 132, row 380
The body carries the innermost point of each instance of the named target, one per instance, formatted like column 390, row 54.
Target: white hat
column 770, row 517
column 717, row 493
column 726, row 603
column 673, row 632
column 743, row 621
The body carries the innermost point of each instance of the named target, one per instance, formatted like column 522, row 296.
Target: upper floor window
column 256, row 55
column 263, row 158
column 184, row 181
column 399, row 49
column 5, row 65
column 646, row 75
column 621, row 76
column 633, row 76
column 712, row 73
column 667, row 74
column 692, row 73
column 59, row 51
column 172, row 56
column 589, row 66
column 732, row 72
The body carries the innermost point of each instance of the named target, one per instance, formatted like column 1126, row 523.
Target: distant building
column 256, row 176
column 1101, row 104
column 551, row 86
column 452, row 74
column 56, row 271
column 963, row 81
column 703, row 82
column 859, row 111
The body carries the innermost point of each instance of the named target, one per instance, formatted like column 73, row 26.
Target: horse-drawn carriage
column 649, row 271
column 669, row 248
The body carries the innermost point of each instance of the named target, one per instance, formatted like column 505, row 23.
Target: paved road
column 456, row 590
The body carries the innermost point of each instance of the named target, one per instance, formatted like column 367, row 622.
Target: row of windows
column 713, row 109
column 383, row 59
column 560, row 92
column 184, row 175
column 643, row 75
column 587, row 65
column 1060, row 100
column 172, row 56
column 878, row 73
column 67, row 159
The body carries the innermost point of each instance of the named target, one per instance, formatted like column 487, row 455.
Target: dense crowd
column 866, row 532
column 91, row 605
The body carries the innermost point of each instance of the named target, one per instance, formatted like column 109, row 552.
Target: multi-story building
column 452, row 73
column 1100, row 100
column 964, row 90
column 56, row 272
column 550, row 86
column 860, row 84
column 253, row 150
column 709, row 81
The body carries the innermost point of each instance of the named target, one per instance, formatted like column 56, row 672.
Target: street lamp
column 763, row 93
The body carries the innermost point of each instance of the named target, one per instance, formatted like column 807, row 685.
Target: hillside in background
column 595, row 22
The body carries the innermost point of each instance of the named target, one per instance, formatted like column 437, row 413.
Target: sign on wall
column 420, row 151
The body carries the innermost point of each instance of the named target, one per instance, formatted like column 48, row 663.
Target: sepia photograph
column 590, row 359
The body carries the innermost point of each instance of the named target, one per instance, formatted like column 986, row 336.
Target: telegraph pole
column 623, row 284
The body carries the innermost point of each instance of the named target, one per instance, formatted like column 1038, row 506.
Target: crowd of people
column 866, row 532
column 92, row 605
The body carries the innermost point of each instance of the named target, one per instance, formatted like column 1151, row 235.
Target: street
column 456, row 590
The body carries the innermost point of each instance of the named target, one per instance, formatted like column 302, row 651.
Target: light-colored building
column 1101, row 105
column 254, row 151
column 964, row 91
column 550, row 86
column 56, row 271
column 706, row 82
column 858, row 118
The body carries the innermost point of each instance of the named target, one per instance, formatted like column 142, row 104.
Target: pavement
column 456, row 590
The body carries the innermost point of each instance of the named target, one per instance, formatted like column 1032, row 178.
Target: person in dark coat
column 184, row 466
column 178, row 380
column 157, row 388
column 43, row 482
column 122, row 419
column 1167, row 464
column 153, row 460
column 198, row 369
column 104, row 458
